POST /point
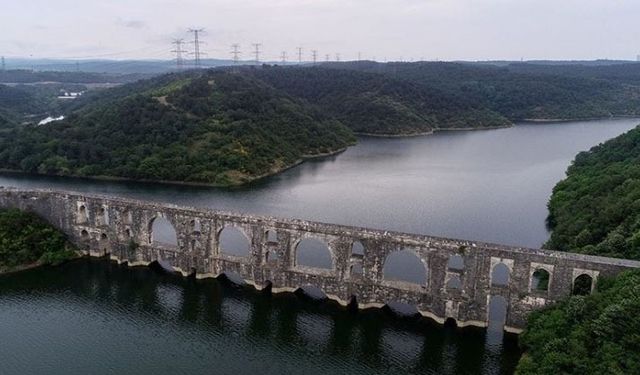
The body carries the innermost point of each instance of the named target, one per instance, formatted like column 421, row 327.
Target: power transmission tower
column 3, row 64
column 283, row 57
column 256, row 51
column 337, row 57
column 77, row 66
column 326, row 57
column 299, row 55
column 314, row 56
column 196, row 46
column 236, row 53
column 179, row 51
column 359, row 56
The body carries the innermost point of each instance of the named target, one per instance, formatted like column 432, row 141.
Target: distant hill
column 209, row 127
column 376, row 104
column 528, row 91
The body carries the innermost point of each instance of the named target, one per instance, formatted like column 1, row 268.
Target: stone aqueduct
column 121, row 228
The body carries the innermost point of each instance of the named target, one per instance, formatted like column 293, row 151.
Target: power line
column 179, row 51
column 256, row 51
column 299, row 54
column 235, row 52
column 196, row 45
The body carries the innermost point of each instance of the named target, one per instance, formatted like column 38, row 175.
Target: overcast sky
column 384, row 29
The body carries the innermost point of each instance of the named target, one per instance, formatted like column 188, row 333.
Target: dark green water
column 94, row 317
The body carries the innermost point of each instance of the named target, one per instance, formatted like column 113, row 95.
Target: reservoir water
column 96, row 317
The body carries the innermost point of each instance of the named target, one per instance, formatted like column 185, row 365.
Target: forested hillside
column 377, row 104
column 208, row 127
column 546, row 92
column 596, row 209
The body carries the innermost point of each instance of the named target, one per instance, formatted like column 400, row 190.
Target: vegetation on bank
column 210, row 127
column 26, row 240
column 595, row 334
column 596, row 208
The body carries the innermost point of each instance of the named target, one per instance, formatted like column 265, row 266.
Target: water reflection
column 139, row 319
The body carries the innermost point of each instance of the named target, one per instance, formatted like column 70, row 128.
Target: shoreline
column 551, row 120
column 302, row 159
column 433, row 131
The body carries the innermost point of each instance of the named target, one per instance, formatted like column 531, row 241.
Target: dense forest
column 596, row 209
column 541, row 92
column 377, row 104
column 209, row 127
column 25, row 239
column 595, row 334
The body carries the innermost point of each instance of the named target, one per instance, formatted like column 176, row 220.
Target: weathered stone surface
column 122, row 228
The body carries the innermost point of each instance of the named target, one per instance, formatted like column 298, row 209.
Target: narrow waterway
column 92, row 316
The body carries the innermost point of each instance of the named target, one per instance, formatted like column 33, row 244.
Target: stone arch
column 357, row 248
column 271, row 236
column 234, row 241
column 312, row 252
column 540, row 279
column 162, row 232
column 271, row 256
column 455, row 263
column 312, row 292
column 582, row 285
column 196, row 226
column 406, row 266
column 454, row 283
column 500, row 274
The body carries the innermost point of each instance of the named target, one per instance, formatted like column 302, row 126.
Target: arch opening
column 582, row 285
column 234, row 242
column 357, row 249
column 84, row 234
column 402, row 309
column 451, row 322
column 356, row 269
column 311, row 291
column 196, row 227
column 454, row 283
column 455, row 263
column 404, row 266
column 540, row 280
column 500, row 275
column 314, row 253
column 233, row 278
column 162, row 232
column 271, row 256
column 271, row 236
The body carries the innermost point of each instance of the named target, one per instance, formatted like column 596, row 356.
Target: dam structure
column 461, row 277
